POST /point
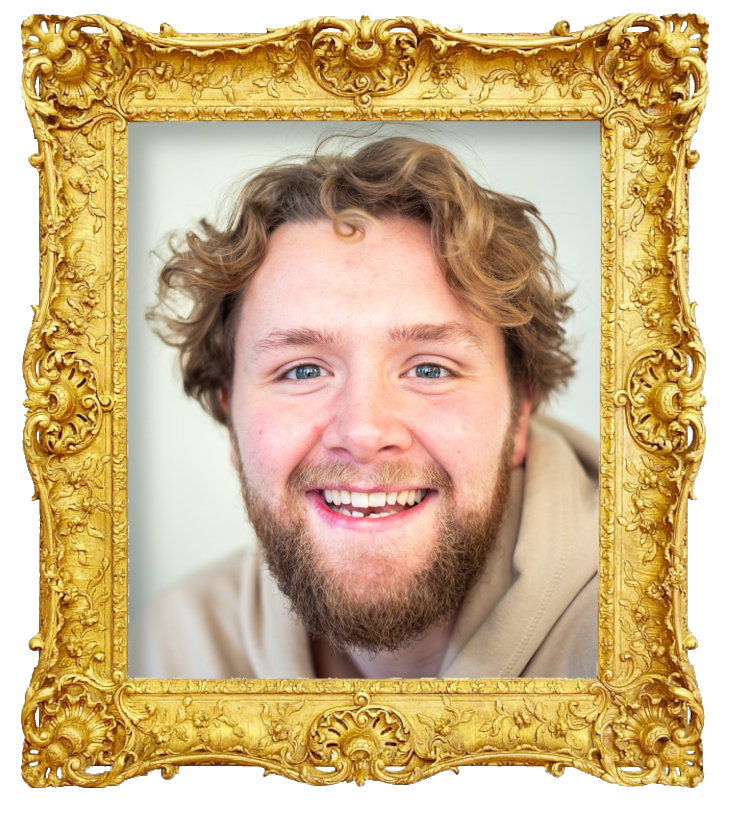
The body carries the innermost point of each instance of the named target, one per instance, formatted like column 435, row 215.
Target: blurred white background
column 185, row 508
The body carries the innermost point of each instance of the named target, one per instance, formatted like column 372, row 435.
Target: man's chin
column 363, row 588
column 373, row 601
column 380, row 609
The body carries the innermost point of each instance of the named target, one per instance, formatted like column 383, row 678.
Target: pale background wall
column 185, row 509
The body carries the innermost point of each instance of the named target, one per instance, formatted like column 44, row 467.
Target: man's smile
column 338, row 504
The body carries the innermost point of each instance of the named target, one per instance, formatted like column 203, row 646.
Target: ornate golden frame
column 85, row 721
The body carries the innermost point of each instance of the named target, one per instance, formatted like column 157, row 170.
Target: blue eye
column 428, row 370
column 304, row 372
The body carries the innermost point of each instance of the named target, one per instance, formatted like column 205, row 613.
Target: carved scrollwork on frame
column 71, row 67
column 361, row 742
column 364, row 59
column 653, row 66
column 656, row 735
column 75, row 731
column 643, row 78
column 664, row 402
column 66, row 408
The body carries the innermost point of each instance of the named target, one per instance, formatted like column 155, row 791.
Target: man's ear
column 224, row 400
column 521, row 431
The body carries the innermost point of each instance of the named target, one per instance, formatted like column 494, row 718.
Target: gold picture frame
column 85, row 721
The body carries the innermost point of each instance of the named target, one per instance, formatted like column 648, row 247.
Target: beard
column 401, row 605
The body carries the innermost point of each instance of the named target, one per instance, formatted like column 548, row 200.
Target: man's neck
column 421, row 658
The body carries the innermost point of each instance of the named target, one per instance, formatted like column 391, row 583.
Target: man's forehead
column 296, row 249
column 387, row 280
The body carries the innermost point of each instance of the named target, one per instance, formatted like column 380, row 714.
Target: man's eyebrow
column 295, row 336
column 440, row 332
column 416, row 332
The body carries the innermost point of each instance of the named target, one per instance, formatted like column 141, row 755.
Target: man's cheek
column 467, row 443
column 273, row 444
column 458, row 434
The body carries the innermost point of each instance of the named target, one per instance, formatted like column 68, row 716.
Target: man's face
column 360, row 379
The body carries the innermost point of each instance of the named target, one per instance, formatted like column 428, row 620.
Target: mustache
column 308, row 476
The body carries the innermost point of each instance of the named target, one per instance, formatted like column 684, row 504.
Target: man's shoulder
column 193, row 624
column 545, row 430
column 571, row 648
column 214, row 581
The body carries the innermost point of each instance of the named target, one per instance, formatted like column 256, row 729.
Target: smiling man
column 375, row 330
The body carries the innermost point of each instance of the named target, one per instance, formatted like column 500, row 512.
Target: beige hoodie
column 533, row 612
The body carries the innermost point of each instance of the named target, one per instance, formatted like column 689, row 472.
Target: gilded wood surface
column 84, row 79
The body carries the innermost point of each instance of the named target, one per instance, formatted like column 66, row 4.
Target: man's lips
column 343, row 505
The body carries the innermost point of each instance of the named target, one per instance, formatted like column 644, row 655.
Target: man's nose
column 368, row 420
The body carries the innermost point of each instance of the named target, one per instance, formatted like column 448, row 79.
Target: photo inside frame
column 185, row 506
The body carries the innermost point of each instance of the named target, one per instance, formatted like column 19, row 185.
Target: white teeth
column 356, row 514
column 342, row 511
column 343, row 498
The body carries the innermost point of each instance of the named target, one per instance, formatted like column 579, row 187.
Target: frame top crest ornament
column 84, row 79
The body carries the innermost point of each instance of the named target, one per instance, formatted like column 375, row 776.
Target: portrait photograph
column 369, row 406
column 186, row 514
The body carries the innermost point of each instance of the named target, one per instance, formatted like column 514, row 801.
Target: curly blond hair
column 487, row 244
